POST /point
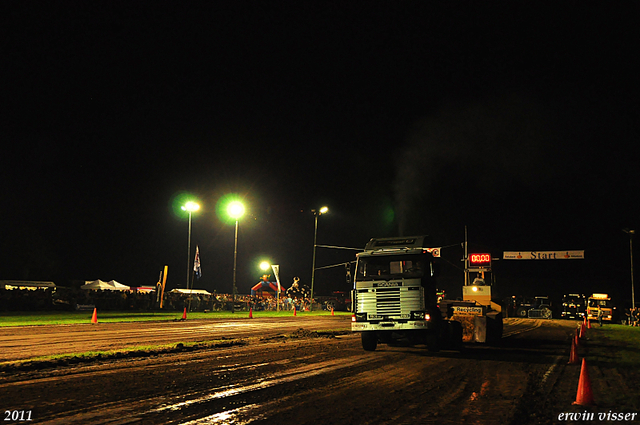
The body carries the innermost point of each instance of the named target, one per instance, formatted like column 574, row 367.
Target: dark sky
column 516, row 119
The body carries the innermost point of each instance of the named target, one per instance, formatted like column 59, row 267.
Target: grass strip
column 79, row 317
column 614, row 346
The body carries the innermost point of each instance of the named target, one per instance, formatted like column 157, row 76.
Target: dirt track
column 288, row 374
column 33, row 341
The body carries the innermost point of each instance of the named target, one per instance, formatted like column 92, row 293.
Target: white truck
column 394, row 296
column 600, row 304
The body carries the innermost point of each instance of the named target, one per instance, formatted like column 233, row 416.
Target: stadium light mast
column 631, row 232
column 321, row 211
column 189, row 207
column 235, row 210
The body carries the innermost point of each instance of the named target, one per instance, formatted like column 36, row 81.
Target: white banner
column 276, row 272
column 543, row 255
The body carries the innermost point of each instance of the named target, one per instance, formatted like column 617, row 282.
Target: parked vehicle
column 600, row 304
column 534, row 308
column 337, row 301
column 574, row 306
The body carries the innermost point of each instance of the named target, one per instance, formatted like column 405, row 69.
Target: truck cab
column 573, row 306
column 600, row 304
column 394, row 295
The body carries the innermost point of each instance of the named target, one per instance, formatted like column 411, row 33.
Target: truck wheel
column 369, row 341
column 521, row 312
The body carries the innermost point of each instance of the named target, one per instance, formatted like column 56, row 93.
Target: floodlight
column 322, row 210
column 190, row 206
column 235, row 210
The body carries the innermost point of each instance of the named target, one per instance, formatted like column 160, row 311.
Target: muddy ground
column 300, row 371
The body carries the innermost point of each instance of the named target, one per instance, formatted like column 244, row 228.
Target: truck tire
column 521, row 312
column 369, row 341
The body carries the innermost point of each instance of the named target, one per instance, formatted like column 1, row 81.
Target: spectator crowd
column 63, row 298
column 633, row 317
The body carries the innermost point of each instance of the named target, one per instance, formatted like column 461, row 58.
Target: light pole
column 633, row 295
column 189, row 207
column 322, row 210
column 235, row 210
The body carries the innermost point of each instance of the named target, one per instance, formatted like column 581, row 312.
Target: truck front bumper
column 410, row 325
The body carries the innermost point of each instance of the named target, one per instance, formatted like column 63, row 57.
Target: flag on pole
column 276, row 271
column 196, row 263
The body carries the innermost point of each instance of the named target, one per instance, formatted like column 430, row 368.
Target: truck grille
column 389, row 301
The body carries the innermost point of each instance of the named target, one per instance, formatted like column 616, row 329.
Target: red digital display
column 480, row 258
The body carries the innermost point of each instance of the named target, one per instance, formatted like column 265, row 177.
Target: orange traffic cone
column 588, row 324
column 584, row 396
column 250, row 313
column 332, row 311
column 582, row 331
column 295, row 311
column 576, row 341
column 184, row 314
column 94, row 318
column 573, row 356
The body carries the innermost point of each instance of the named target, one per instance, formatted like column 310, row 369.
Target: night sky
column 518, row 120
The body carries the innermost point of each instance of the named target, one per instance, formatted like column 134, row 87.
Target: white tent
column 96, row 284
column 119, row 286
column 100, row 284
column 191, row 291
column 25, row 284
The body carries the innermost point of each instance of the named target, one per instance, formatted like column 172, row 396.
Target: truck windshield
column 389, row 267
column 573, row 300
column 602, row 303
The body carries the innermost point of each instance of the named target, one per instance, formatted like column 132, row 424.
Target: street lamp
column 322, row 210
column 235, row 210
column 631, row 233
column 189, row 207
